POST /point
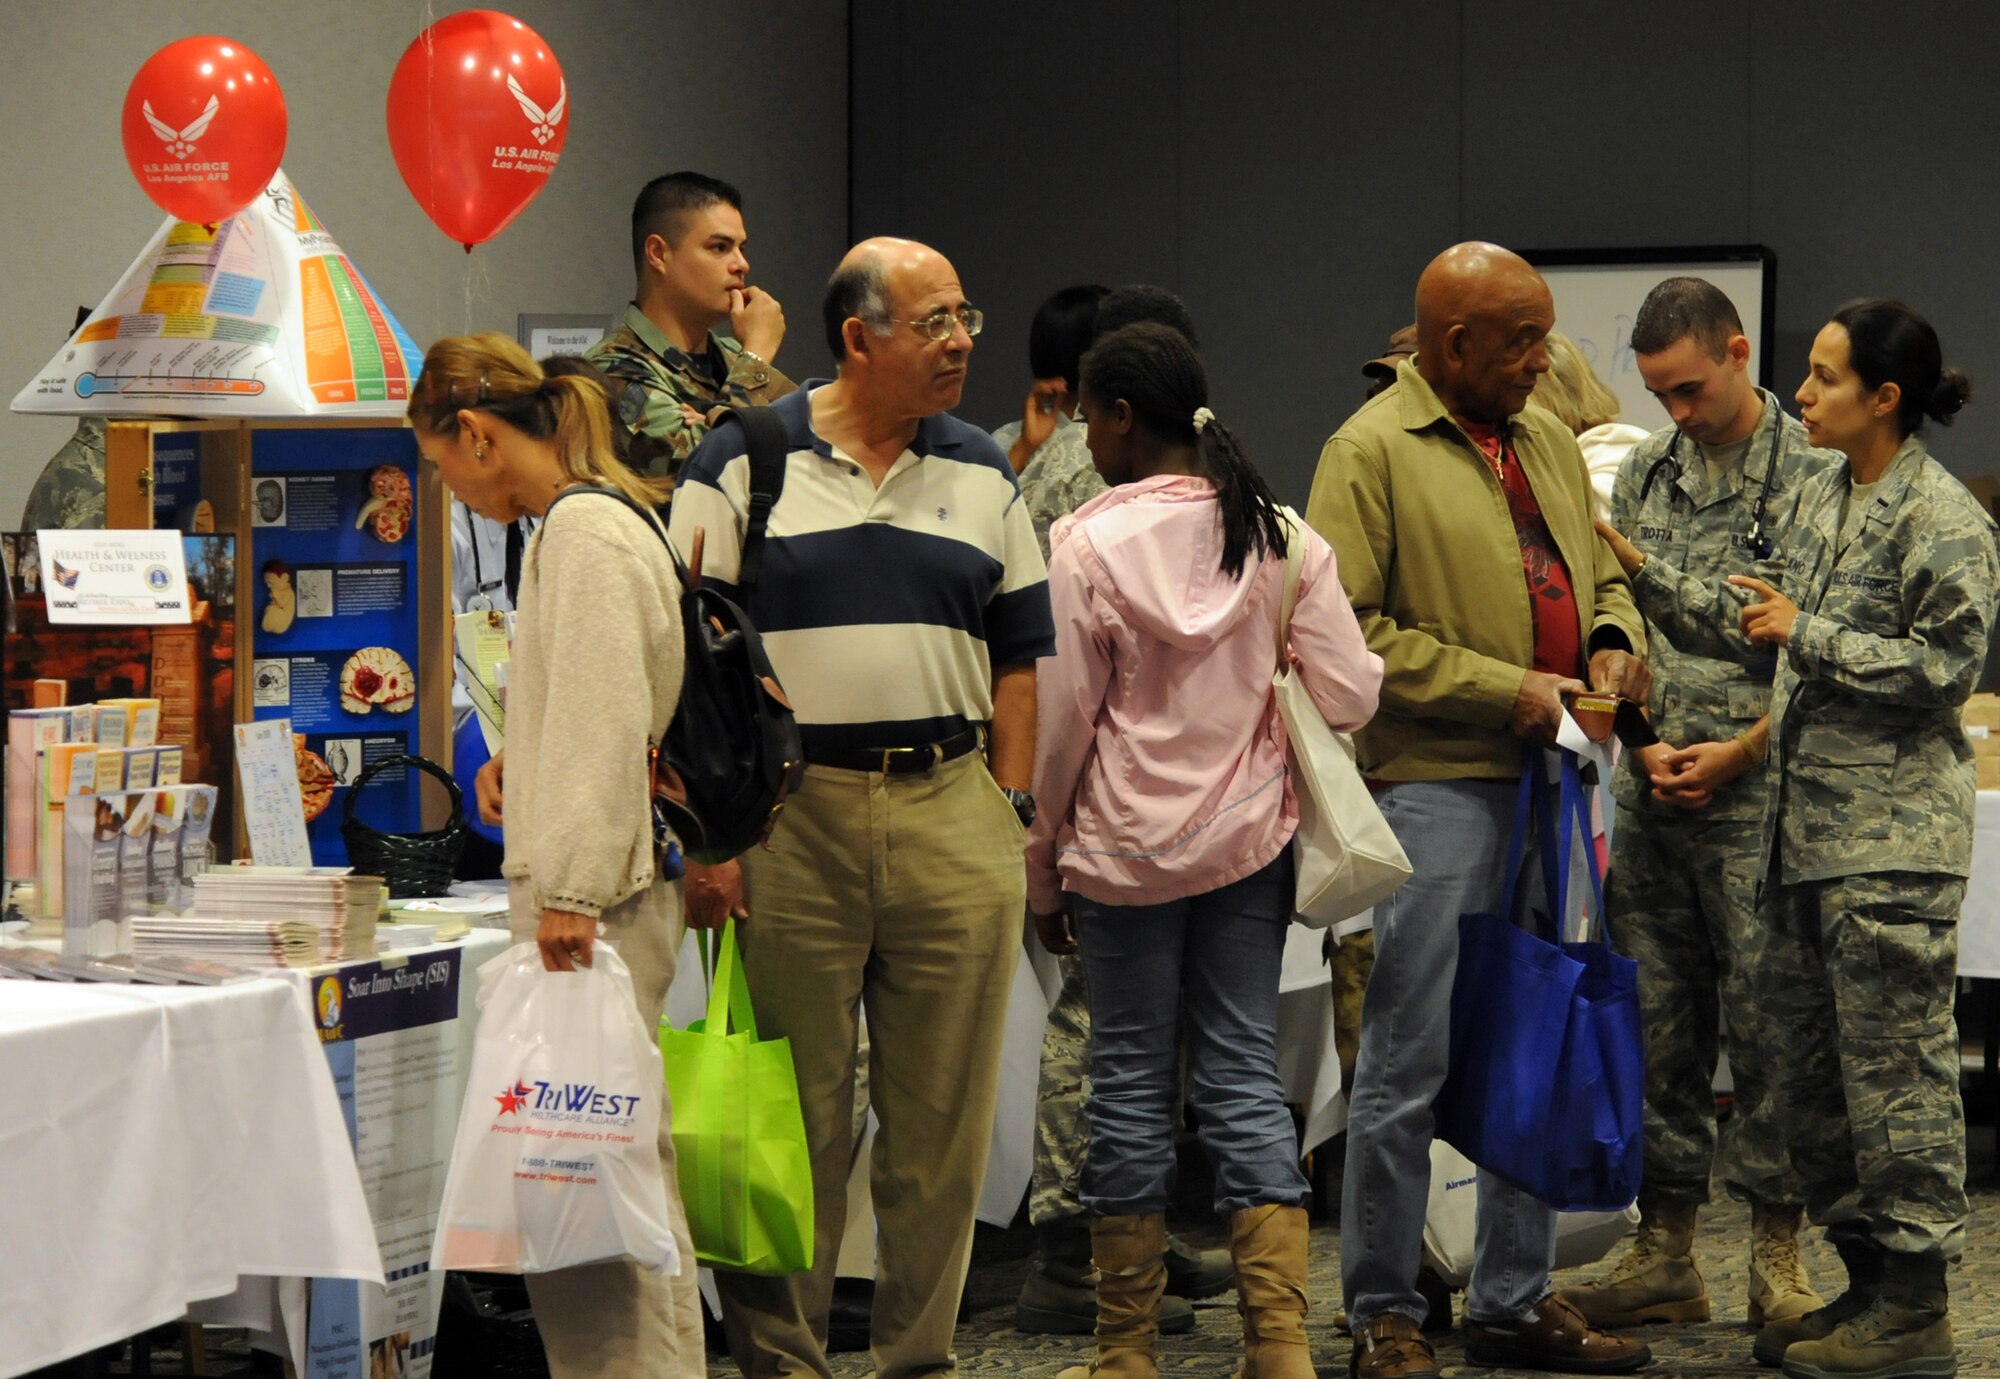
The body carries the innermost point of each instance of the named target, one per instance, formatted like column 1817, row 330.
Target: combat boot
column 1059, row 1295
column 1268, row 1244
column 1131, row 1277
column 1904, row 1334
column 1655, row 1280
column 1863, row 1259
column 1193, row 1273
column 1779, row 1288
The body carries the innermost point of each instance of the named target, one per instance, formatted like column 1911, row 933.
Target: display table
column 399, row 1046
column 159, row 1144
column 1979, row 919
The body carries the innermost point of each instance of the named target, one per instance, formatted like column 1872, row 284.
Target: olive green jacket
column 1429, row 557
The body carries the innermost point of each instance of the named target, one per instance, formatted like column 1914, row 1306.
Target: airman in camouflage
column 1712, row 495
column 1870, row 833
column 668, row 368
column 1867, row 840
column 1059, row 479
column 69, row 493
column 663, row 395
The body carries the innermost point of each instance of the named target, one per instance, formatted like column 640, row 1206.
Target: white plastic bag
column 557, row 1161
column 1582, row 1237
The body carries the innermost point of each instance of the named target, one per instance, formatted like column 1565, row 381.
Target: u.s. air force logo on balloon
column 180, row 142
column 544, row 121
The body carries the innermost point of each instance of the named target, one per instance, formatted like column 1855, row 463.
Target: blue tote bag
column 1546, row 1086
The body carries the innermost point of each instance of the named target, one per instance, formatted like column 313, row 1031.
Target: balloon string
column 430, row 97
column 478, row 285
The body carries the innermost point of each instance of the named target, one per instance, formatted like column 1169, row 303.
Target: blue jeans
column 1210, row 962
column 1456, row 834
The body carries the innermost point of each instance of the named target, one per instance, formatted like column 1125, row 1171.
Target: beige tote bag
column 1344, row 853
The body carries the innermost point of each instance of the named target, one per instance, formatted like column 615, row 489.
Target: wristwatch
column 1024, row 805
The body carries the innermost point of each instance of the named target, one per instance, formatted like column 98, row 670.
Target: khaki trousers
column 902, row 894
column 619, row 1321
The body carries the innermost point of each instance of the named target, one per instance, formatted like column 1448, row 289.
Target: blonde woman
column 1586, row 405
column 594, row 680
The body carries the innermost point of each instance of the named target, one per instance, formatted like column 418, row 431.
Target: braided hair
column 1156, row 371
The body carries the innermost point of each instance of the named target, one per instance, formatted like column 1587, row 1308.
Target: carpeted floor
column 988, row 1344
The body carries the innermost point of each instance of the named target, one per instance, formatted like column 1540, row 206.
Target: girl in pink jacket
column 1161, row 849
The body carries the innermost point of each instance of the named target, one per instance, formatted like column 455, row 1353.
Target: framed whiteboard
column 1598, row 292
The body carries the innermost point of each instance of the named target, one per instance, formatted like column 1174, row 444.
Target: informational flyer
column 391, row 1032
column 273, row 814
column 334, row 576
column 261, row 316
column 114, row 578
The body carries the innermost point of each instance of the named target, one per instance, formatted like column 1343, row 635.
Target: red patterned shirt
column 1558, row 643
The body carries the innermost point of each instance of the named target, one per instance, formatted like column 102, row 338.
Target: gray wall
column 1290, row 167
column 654, row 85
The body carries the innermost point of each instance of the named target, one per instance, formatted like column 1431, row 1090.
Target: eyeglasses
column 938, row 324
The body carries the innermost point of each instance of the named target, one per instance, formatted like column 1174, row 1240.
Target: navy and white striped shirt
column 884, row 610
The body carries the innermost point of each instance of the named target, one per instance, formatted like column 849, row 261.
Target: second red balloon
column 478, row 114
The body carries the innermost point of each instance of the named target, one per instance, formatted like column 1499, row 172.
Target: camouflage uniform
column 1057, row 480
column 1681, row 894
column 1060, row 478
column 70, row 490
column 1062, row 1134
column 663, row 395
column 1867, row 841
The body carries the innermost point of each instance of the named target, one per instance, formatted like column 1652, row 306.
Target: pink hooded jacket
column 1159, row 752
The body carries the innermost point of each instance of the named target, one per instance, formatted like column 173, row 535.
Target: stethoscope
column 1760, row 543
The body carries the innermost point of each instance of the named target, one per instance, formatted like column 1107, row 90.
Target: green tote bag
column 745, row 1172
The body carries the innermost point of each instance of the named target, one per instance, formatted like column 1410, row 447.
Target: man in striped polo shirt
column 903, row 602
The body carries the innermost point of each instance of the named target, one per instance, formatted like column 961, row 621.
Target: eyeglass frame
column 928, row 325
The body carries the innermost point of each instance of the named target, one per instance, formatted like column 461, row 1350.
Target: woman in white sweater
column 594, row 678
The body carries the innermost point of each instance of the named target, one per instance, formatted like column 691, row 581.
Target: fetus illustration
column 283, row 604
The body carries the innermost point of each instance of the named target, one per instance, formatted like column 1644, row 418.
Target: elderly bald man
column 903, row 602
column 1462, row 526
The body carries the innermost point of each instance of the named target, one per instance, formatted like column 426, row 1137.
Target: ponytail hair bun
column 1952, row 392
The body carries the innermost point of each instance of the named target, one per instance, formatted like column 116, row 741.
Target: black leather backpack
column 732, row 752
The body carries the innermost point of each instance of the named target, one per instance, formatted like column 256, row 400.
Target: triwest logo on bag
column 562, row 1167
column 568, row 1101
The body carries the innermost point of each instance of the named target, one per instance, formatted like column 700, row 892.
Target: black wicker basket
column 410, row 864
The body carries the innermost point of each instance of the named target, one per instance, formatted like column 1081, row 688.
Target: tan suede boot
column 1269, row 1247
column 1904, row 1333
column 1656, row 1279
column 1130, row 1252
column 1779, row 1288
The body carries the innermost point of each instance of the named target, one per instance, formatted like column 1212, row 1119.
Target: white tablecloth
column 157, row 1143
column 274, row 1309
column 1979, row 920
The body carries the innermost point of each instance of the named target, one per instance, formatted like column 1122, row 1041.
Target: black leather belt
column 899, row 761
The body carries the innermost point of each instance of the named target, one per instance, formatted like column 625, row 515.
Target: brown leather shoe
column 1393, row 1347
column 1552, row 1335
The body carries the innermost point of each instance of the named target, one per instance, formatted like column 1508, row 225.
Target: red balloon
column 204, row 128
column 478, row 114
